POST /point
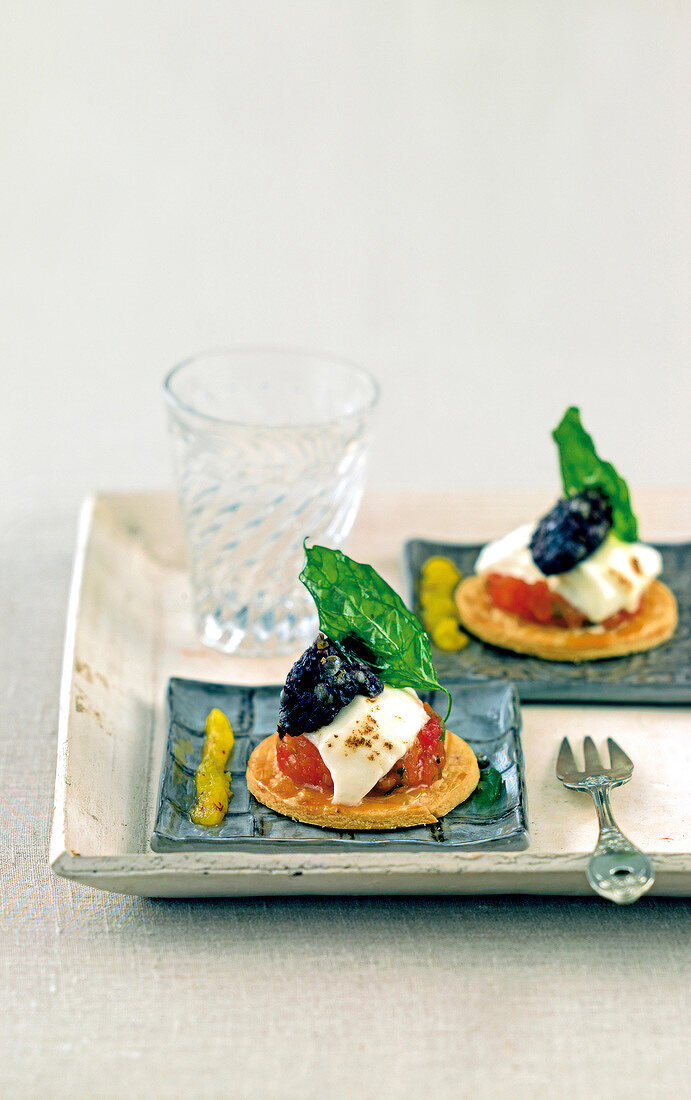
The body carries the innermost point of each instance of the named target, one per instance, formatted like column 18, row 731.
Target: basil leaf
column 487, row 791
column 353, row 601
column 582, row 468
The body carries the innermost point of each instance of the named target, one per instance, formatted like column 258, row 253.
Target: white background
column 487, row 204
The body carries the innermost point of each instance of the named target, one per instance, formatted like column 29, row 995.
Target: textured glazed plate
column 487, row 716
column 661, row 675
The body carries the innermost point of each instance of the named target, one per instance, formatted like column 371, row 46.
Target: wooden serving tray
column 129, row 630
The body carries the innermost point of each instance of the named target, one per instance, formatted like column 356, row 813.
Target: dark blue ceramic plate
column 486, row 715
column 661, row 675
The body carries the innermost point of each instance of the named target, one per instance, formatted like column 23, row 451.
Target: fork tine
column 617, row 756
column 566, row 761
column 593, row 763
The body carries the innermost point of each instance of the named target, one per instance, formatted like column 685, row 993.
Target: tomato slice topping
column 538, row 604
column 302, row 762
column 423, row 762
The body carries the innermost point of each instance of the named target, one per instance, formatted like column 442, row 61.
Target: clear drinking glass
column 270, row 448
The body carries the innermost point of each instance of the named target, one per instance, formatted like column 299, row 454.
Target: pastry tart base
column 401, row 808
column 654, row 624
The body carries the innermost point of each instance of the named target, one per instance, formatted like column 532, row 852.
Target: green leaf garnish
column 487, row 791
column 353, row 601
column 582, row 468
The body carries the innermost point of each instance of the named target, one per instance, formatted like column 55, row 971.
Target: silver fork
column 618, row 870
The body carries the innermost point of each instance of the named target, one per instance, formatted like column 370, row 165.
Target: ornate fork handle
column 618, row 870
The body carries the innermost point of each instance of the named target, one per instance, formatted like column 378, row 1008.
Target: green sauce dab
column 487, row 791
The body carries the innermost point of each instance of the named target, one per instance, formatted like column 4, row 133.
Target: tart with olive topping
column 578, row 585
column 355, row 747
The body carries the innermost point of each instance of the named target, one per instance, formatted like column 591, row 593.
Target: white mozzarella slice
column 366, row 739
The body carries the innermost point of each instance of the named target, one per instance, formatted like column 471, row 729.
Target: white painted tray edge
column 58, row 844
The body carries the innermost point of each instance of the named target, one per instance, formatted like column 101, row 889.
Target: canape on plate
column 355, row 747
column 577, row 585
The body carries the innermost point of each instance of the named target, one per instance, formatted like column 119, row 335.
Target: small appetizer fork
column 618, row 870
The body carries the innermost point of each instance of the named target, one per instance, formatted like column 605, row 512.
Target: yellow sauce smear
column 211, row 779
column 439, row 578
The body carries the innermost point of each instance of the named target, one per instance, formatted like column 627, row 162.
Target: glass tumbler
column 270, row 448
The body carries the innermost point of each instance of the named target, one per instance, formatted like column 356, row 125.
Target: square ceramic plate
column 661, row 675
column 130, row 630
column 487, row 716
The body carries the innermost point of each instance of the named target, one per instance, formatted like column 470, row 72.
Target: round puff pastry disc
column 654, row 624
column 400, row 808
